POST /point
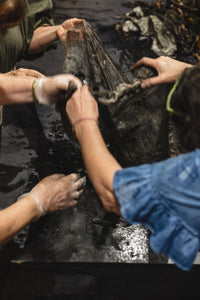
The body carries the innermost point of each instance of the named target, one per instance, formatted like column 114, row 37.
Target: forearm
column 43, row 37
column 14, row 89
column 100, row 164
column 16, row 217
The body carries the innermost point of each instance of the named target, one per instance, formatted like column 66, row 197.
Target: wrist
column 84, row 128
column 59, row 32
column 84, row 119
column 39, row 205
column 32, row 203
column 37, row 91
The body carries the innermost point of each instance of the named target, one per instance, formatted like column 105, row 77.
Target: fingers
column 71, row 22
column 72, row 178
column 151, row 82
column 75, row 81
column 57, row 192
column 74, row 21
column 77, row 194
column 81, row 183
column 81, row 104
column 167, row 68
column 72, row 199
column 85, row 91
column 74, row 188
column 71, row 204
column 65, row 26
column 64, row 80
column 145, row 61
column 48, row 90
column 55, row 176
column 74, row 182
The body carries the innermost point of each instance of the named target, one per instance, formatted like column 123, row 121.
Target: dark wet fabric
column 133, row 122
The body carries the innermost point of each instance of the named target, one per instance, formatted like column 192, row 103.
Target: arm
column 168, row 69
column 17, row 216
column 17, row 87
column 100, row 164
column 44, row 36
column 53, row 193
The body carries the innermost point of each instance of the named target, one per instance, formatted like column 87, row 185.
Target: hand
column 168, row 69
column 21, row 72
column 57, row 192
column 82, row 105
column 47, row 90
column 65, row 26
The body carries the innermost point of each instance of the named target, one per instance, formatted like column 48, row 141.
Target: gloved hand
column 47, row 90
column 57, row 192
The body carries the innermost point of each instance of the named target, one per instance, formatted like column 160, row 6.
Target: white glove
column 47, row 90
column 57, row 192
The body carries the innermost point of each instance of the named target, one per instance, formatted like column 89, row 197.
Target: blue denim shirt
column 165, row 196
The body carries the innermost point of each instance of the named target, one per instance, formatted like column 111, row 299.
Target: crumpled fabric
column 163, row 41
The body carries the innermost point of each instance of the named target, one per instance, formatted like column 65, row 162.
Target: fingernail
column 85, row 81
column 75, row 175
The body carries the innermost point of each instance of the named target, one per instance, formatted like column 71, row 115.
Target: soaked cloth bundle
column 172, row 28
column 139, row 20
column 134, row 123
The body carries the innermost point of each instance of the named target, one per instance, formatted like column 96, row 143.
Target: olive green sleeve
column 38, row 13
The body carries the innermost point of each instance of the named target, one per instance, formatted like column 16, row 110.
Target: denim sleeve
column 165, row 196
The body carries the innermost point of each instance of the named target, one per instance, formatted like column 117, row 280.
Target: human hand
column 57, row 192
column 25, row 72
column 49, row 89
column 168, row 69
column 65, row 26
column 82, row 106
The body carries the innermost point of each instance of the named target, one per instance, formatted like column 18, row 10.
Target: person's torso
column 11, row 46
